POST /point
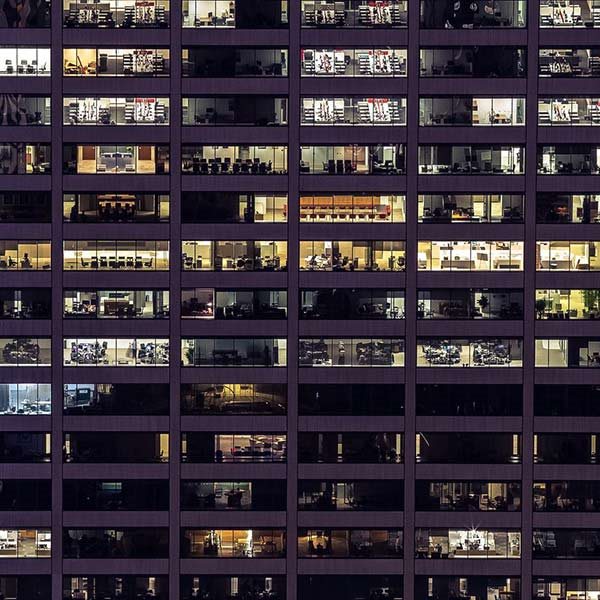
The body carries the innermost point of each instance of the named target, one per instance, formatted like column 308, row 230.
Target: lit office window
column 351, row 352
column 229, row 543
column 480, row 352
column 471, row 208
column 467, row 543
column 470, row 256
column 353, row 159
column 25, row 352
column 234, row 160
column 25, row 543
column 115, row 352
column 354, row 13
column 110, row 255
column 569, row 62
column 561, row 304
column 350, row 110
column 84, row 159
column 352, row 208
column 560, row 255
column 126, row 14
column 446, row 159
column 352, row 255
column 470, row 111
column 353, row 62
column 233, row 255
column 572, row 352
column 25, row 398
column 88, row 110
column 116, row 62
column 570, row 14
column 24, row 61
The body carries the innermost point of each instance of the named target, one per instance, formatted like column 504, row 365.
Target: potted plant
column 591, row 300
column 483, row 303
column 540, row 308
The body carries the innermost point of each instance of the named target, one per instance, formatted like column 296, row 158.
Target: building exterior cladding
column 202, row 202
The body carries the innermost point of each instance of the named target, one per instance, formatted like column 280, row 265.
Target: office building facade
column 296, row 299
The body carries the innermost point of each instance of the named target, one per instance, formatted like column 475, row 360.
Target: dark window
column 563, row 496
column 125, row 587
column 348, row 587
column 235, row 110
column 219, row 587
column 128, row 494
column 232, row 61
column 367, row 494
column 565, row 448
column 346, row 399
column 456, row 303
column 113, row 447
column 469, row 400
column 133, row 542
column 349, row 447
column 259, row 494
column 350, row 543
column 475, row 448
column 35, row 14
column 351, row 303
column 473, row 61
column 463, row 14
column 25, row 207
column 567, row 400
column 24, row 447
column 478, row 586
column 468, row 496
column 116, row 399
column 24, row 587
column 25, row 303
column 25, row 494
column 566, row 543
column 233, row 398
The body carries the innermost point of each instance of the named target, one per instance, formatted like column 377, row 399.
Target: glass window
column 24, row 352
column 23, row 61
column 353, row 62
column 473, row 61
column 351, row 352
column 460, row 15
column 233, row 352
column 234, row 61
column 116, row 62
column 569, row 62
column 380, row 14
column 226, row 14
column 486, row 352
column 25, row 543
column 25, row 399
column 115, row 352
column 115, row 111
column 25, row 110
column 116, row 13
column 570, row 15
